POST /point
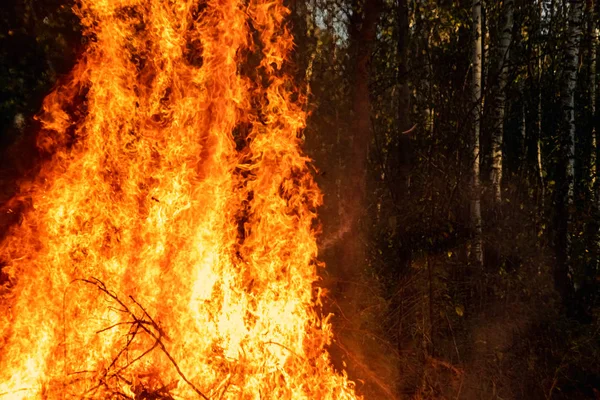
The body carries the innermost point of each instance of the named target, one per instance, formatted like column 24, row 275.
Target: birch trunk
column 574, row 34
column 500, row 101
column 535, row 150
column 476, row 245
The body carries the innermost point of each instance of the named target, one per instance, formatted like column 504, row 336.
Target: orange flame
column 169, row 251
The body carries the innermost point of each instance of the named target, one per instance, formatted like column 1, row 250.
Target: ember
column 170, row 249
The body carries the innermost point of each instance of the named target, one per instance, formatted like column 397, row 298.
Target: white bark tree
column 500, row 99
column 574, row 35
column 476, row 245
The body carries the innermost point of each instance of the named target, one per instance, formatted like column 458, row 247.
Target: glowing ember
column 170, row 249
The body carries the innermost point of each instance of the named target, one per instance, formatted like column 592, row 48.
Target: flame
column 169, row 250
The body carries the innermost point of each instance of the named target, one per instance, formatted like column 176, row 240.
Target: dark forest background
column 457, row 146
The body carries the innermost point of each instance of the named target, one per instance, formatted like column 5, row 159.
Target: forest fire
column 169, row 248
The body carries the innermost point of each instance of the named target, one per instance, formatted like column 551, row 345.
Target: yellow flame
column 169, row 250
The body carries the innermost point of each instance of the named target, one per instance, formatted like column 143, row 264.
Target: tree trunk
column 402, row 163
column 500, row 100
column 476, row 245
column 404, row 93
column 595, row 120
column 534, row 165
column 355, row 189
column 593, row 49
column 563, row 277
column 351, row 250
column 538, row 131
column 402, row 169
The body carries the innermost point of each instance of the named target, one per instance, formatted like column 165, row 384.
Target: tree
column 476, row 57
column 500, row 100
column 563, row 279
column 362, row 35
column 596, row 121
column 593, row 120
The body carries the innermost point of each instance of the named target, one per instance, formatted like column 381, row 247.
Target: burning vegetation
column 168, row 249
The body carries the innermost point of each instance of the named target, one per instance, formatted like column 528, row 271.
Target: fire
column 169, row 247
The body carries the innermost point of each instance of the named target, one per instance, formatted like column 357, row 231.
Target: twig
column 435, row 362
column 368, row 372
column 453, row 338
column 410, row 130
column 462, row 380
column 114, row 326
column 146, row 326
column 287, row 348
